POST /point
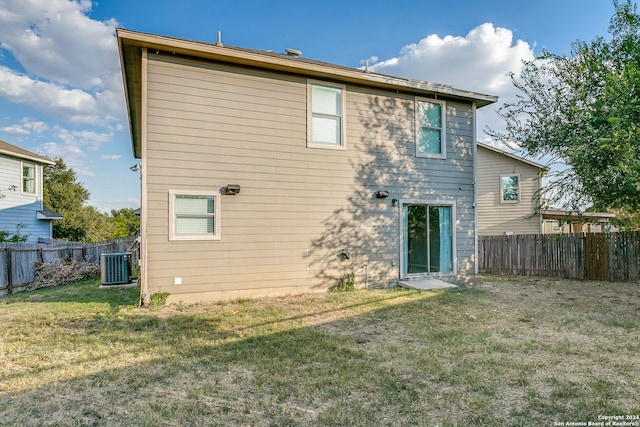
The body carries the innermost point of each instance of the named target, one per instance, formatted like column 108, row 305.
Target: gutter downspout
column 145, row 298
column 475, row 189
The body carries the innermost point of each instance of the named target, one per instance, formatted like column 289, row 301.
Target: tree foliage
column 63, row 194
column 14, row 237
column 626, row 220
column 61, row 190
column 124, row 222
column 583, row 111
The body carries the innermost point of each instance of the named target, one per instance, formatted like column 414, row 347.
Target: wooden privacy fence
column 593, row 256
column 17, row 259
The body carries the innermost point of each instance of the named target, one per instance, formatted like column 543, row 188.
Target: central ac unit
column 115, row 269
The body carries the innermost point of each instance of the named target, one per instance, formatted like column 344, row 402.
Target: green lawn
column 505, row 352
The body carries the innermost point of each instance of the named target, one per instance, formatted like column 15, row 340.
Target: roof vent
column 293, row 52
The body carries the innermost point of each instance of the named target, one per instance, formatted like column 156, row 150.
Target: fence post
column 9, row 272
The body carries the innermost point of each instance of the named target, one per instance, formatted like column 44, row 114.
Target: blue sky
column 61, row 87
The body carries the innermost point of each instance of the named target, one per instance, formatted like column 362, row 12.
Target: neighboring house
column 21, row 193
column 266, row 174
column 508, row 199
column 556, row 221
column 508, row 193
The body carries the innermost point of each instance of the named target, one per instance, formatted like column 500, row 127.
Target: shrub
column 159, row 299
column 62, row 272
column 15, row 237
column 347, row 283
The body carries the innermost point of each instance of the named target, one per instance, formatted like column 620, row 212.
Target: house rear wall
column 213, row 124
column 494, row 217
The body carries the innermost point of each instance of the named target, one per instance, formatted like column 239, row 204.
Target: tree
column 61, row 190
column 124, row 222
column 625, row 220
column 95, row 224
column 583, row 111
column 62, row 193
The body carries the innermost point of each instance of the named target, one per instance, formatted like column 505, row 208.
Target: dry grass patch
column 506, row 352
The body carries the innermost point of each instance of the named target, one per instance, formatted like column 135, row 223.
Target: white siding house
column 265, row 174
column 21, row 193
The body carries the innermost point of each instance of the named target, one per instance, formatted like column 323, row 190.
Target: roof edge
column 20, row 153
column 513, row 156
column 282, row 62
column 48, row 214
column 575, row 215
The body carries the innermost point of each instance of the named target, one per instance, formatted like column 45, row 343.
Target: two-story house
column 266, row 173
column 508, row 193
column 21, row 207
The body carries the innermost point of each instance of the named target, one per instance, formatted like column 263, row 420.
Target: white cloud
column 76, row 148
column 72, row 155
column 36, row 126
column 18, row 130
column 56, row 40
column 89, row 139
column 481, row 62
column 119, row 203
column 70, row 61
column 110, row 157
column 27, row 126
column 73, row 105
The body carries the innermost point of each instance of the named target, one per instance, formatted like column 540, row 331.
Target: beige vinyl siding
column 494, row 217
column 210, row 125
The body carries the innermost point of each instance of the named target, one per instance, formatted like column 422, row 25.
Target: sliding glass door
column 428, row 239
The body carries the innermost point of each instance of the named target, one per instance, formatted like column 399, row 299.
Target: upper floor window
column 325, row 115
column 510, row 189
column 430, row 128
column 28, row 178
column 194, row 215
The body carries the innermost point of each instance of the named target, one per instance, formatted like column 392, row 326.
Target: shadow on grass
column 404, row 358
column 85, row 291
column 206, row 369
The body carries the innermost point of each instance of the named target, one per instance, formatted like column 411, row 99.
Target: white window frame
column 502, row 200
column 442, row 128
column 310, row 114
column 216, row 235
column 35, row 178
column 401, row 227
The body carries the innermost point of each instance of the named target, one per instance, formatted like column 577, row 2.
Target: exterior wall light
column 382, row 194
column 231, row 189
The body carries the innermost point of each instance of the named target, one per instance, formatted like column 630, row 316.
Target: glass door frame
column 403, row 237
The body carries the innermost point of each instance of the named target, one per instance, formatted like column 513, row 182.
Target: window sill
column 327, row 146
column 193, row 238
column 431, row 156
